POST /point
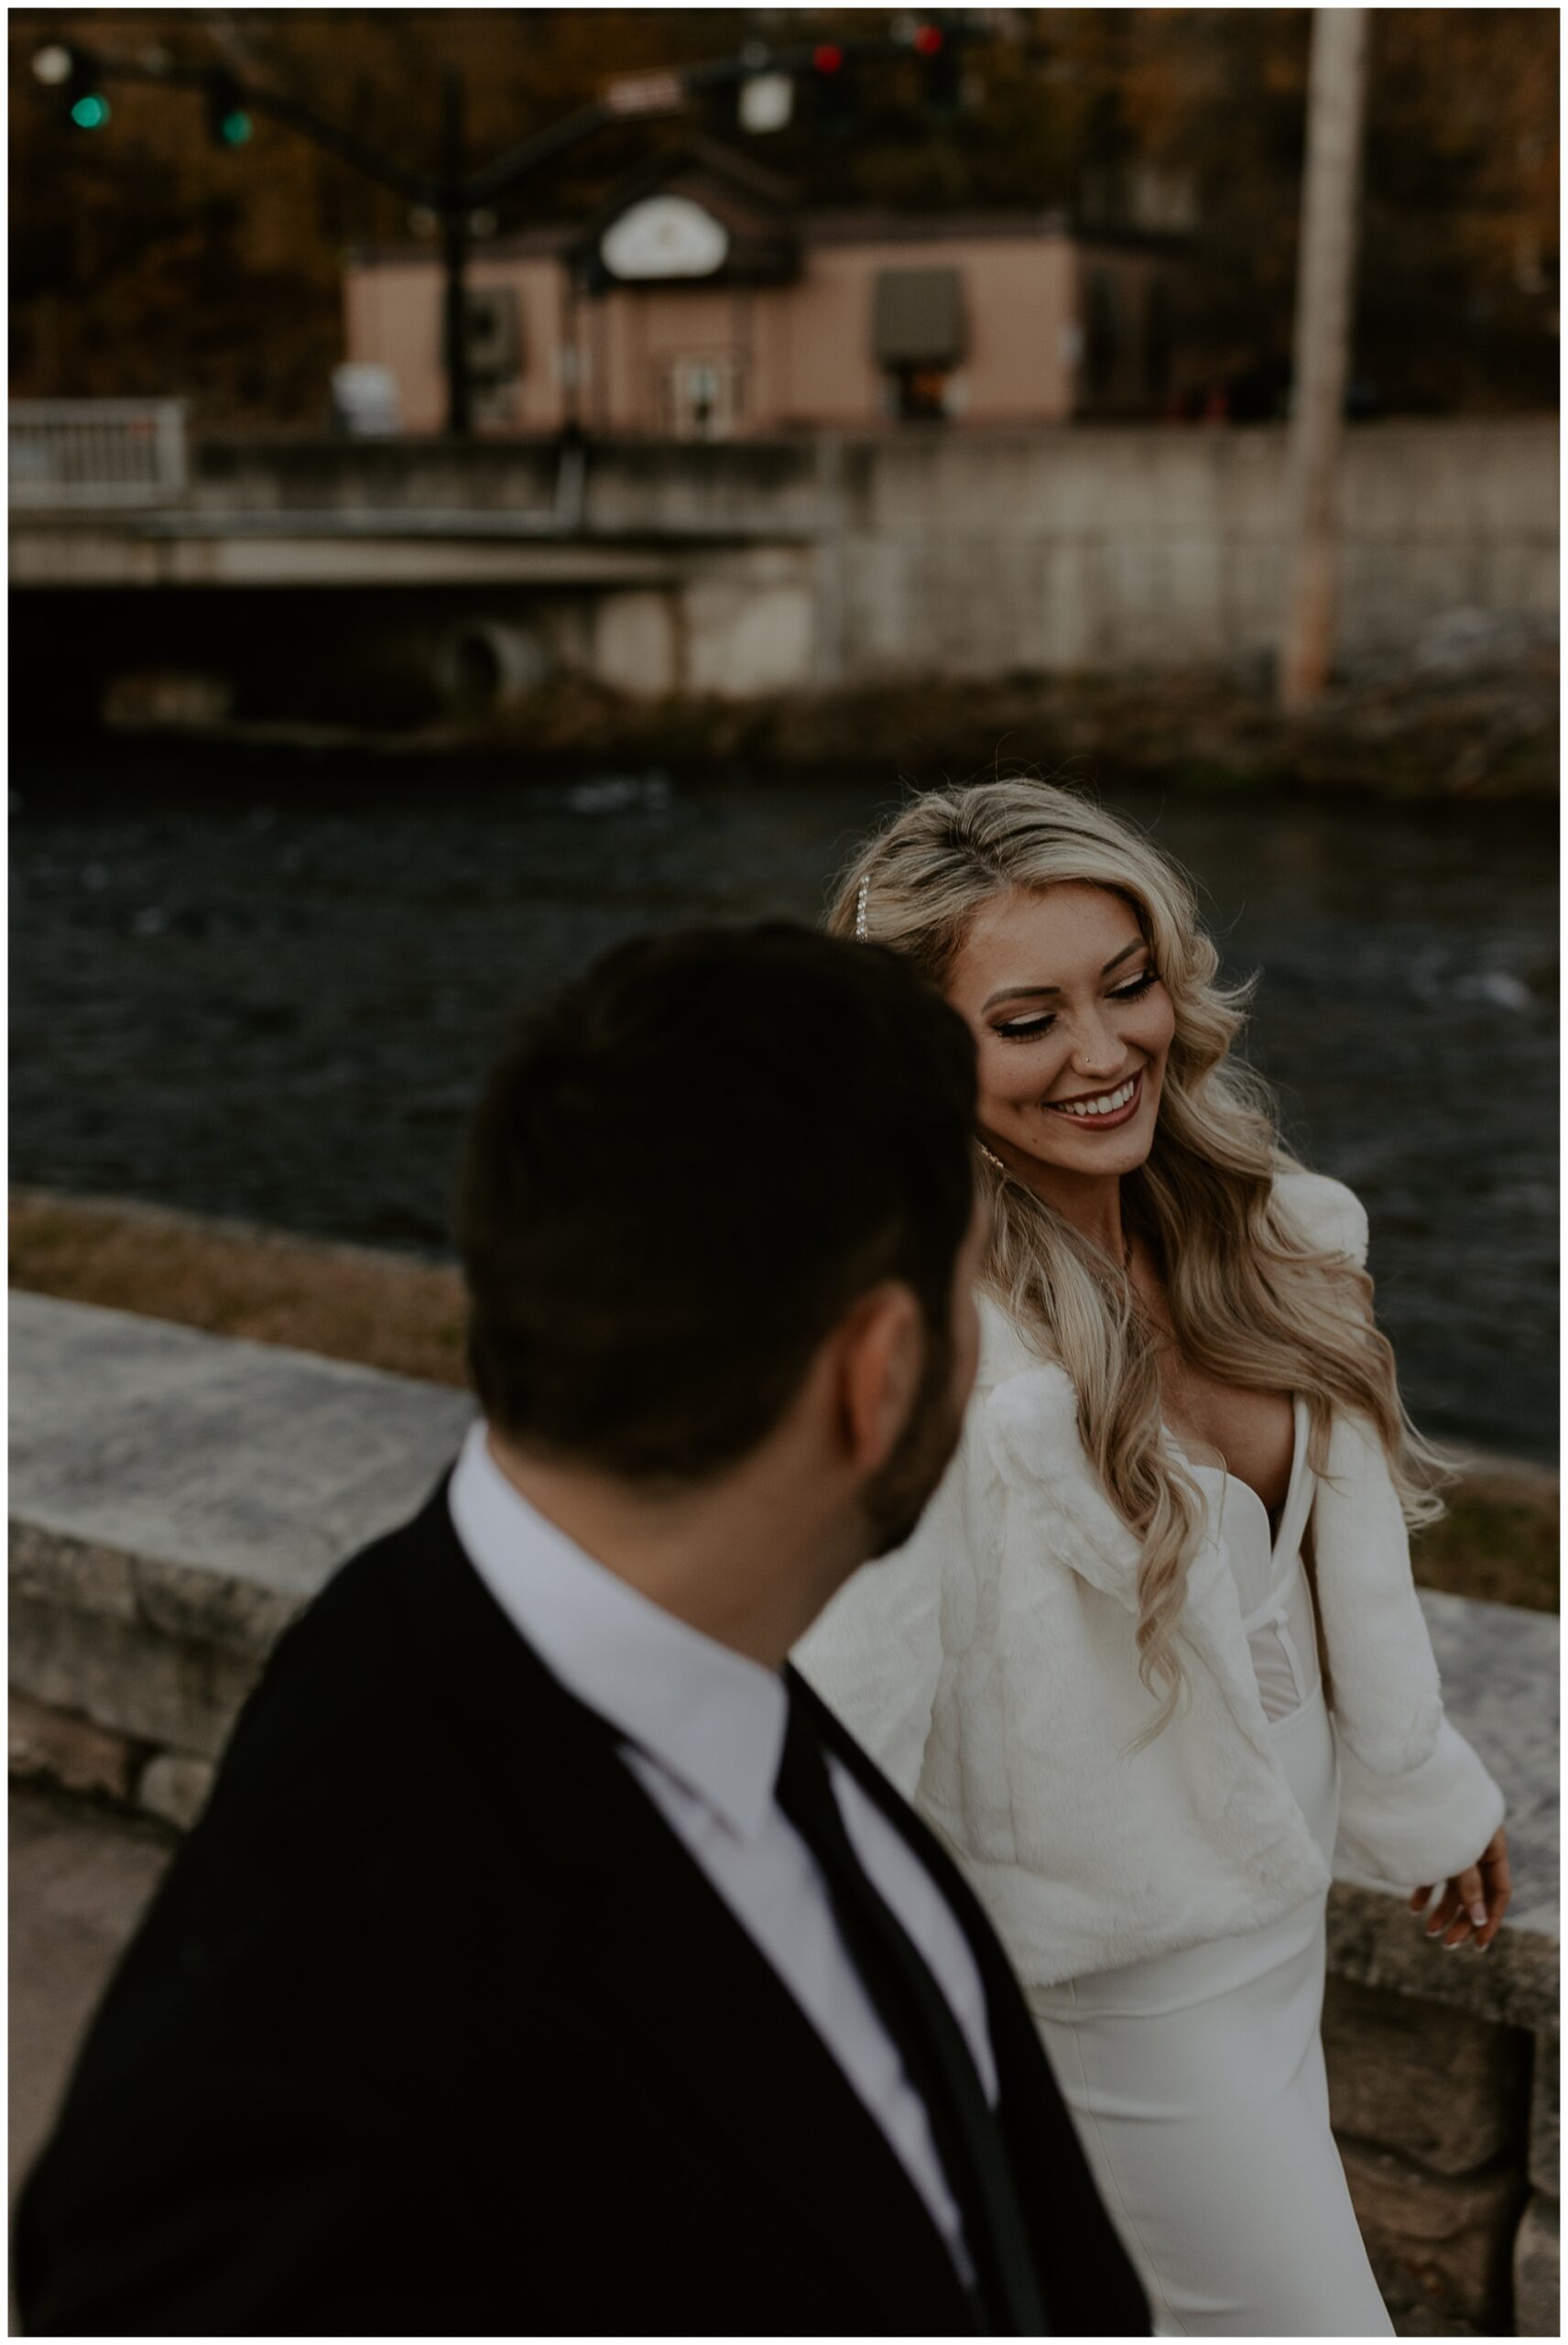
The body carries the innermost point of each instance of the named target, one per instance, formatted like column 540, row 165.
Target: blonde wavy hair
column 1251, row 1302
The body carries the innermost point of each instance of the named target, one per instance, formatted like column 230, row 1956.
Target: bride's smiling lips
column 1088, row 1109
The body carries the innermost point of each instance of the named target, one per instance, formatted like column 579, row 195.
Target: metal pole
column 454, row 257
column 1325, row 282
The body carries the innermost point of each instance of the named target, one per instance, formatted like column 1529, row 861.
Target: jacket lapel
column 702, row 2017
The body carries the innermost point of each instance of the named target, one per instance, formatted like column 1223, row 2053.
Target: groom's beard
column 895, row 1499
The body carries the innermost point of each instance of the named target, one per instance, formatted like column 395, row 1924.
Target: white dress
column 1196, row 2078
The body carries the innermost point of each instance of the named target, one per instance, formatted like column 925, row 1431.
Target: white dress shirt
column 705, row 1730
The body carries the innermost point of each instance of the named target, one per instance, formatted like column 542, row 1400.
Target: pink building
column 706, row 303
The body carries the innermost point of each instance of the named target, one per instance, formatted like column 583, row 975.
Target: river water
column 265, row 988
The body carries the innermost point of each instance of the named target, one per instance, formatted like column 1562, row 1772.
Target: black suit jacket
column 435, row 2027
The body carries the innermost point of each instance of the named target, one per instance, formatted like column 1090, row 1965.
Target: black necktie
column 938, row 2061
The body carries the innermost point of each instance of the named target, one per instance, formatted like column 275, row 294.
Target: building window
column 493, row 333
column 703, row 396
column 916, row 338
column 920, row 393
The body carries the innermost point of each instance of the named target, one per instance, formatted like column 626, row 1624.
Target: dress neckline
column 1288, row 1507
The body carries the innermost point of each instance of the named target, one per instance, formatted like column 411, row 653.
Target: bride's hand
column 1474, row 1903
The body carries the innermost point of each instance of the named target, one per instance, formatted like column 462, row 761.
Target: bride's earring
column 989, row 1156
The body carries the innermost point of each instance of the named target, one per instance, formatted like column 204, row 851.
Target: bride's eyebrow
column 1031, row 993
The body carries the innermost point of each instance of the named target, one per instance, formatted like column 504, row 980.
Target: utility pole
column 454, row 254
column 1324, row 287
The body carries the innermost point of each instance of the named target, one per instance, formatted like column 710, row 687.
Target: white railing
column 82, row 454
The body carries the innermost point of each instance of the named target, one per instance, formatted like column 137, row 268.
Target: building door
column 703, row 396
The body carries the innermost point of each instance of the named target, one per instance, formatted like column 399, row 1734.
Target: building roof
column 767, row 223
column 866, row 227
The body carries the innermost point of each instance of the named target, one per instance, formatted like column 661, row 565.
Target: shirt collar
column 708, row 1715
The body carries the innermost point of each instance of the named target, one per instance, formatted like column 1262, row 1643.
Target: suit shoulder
column 1328, row 1214
column 361, row 1597
column 322, row 1746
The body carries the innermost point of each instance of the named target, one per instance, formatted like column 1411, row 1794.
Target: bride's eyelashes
column 1030, row 1030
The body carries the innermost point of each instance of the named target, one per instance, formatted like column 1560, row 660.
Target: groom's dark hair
column 682, row 1172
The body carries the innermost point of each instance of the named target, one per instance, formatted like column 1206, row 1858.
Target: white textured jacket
column 990, row 1667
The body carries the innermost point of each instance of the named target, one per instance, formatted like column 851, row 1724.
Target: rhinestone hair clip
column 862, row 895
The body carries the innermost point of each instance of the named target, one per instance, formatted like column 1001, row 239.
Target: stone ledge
column 1501, row 1668
column 177, row 1497
column 1375, row 1940
column 201, row 1485
column 64, row 1573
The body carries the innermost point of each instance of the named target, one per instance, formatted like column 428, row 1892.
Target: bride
column 1156, row 1638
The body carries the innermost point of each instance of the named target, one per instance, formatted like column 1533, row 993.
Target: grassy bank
column 1498, row 1540
column 231, row 1278
column 1402, row 735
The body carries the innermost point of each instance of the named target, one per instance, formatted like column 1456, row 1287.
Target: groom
column 548, row 1960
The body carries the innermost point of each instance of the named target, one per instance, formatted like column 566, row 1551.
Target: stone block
column 194, row 1607
column 133, row 1681
column 1445, row 2239
column 175, row 1788
column 1413, row 2317
column 1538, row 2293
column 1374, row 1939
column 59, row 1747
column 1543, row 2115
column 239, row 1461
column 82, row 1573
column 1444, row 2089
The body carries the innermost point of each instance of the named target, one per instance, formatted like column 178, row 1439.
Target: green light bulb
column 90, row 112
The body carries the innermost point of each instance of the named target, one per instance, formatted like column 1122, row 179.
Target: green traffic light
column 90, row 112
column 234, row 128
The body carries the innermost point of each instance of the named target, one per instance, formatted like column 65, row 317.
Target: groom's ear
column 881, row 1353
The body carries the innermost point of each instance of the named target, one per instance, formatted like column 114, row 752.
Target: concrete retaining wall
column 1103, row 550
column 662, row 567
column 176, row 1497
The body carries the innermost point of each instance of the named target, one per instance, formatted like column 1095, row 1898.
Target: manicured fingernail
column 1478, row 1915
column 1452, row 1946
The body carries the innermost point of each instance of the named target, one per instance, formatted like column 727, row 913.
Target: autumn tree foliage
column 143, row 260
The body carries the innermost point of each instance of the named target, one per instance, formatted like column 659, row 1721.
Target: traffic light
column 832, row 90
column 73, row 72
column 941, row 75
column 228, row 124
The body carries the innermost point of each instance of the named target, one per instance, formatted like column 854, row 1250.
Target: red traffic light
column 827, row 59
column 929, row 40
